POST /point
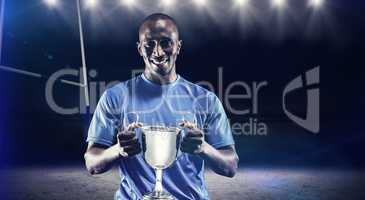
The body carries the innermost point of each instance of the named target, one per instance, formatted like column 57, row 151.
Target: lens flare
column 200, row 2
column 167, row 3
column 279, row 4
column 241, row 3
column 128, row 3
column 51, row 3
column 92, row 4
column 316, row 3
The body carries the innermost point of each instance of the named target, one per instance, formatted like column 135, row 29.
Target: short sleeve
column 217, row 128
column 106, row 117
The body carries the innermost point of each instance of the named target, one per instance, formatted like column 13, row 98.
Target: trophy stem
column 158, row 185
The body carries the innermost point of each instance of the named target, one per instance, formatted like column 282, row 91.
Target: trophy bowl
column 160, row 146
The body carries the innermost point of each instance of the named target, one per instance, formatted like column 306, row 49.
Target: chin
column 162, row 71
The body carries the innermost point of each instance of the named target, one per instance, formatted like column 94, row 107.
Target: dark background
column 271, row 46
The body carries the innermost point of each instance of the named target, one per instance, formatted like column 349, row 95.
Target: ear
column 139, row 48
column 179, row 44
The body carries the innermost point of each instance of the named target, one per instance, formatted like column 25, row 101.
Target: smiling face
column 159, row 46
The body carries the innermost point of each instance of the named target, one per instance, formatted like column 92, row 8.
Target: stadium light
column 91, row 3
column 315, row 3
column 200, row 2
column 241, row 3
column 279, row 4
column 128, row 3
column 51, row 3
column 167, row 3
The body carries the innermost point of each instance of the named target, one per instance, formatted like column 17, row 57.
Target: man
column 158, row 95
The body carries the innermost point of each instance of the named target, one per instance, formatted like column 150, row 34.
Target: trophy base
column 159, row 196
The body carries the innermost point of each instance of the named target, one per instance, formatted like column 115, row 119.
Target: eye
column 150, row 44
column 166, row 43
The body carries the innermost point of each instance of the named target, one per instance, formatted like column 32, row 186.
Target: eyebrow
column 161, row 38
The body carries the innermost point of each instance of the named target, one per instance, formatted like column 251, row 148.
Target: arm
column 100, row 158
column 223, row 161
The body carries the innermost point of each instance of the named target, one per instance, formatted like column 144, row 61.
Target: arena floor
column 72, row 182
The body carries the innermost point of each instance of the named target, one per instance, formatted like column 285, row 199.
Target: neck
column 160, row 79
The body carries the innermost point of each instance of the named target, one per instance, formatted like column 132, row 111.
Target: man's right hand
column 128, row 142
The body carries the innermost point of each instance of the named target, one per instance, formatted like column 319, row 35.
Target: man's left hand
column 193, row 142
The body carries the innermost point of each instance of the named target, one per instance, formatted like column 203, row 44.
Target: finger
column 182, row 122
column 191, row 144
column 131, row 148
column 193, row 141
column 123, row 153
column 183, row 148
column 187, row 150
column 187, row 124
column 189, row 139
column 134, row 125
column 126, row 136
column 194, row 134
column 192, row 149
column 124, row 143
column 134, row 152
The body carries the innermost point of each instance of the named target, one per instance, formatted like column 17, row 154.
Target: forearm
column 221, row 161
column 100, row 160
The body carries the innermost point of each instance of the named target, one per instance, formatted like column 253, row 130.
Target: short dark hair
column 155, row 17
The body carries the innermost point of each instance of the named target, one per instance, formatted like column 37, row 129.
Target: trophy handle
column 143, row 142
column 178, row 143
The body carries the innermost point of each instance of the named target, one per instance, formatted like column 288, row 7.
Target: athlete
column 159, row 94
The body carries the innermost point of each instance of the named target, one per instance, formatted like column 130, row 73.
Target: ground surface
column 59, row 183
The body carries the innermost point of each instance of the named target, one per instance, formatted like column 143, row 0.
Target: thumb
column 134, row 125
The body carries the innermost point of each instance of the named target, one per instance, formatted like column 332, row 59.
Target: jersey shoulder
column 197, row 89
column 121, row 87
column 118, row 93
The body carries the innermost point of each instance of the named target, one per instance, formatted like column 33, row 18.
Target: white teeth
column 157, row 62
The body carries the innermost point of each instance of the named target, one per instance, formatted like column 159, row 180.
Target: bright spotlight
column 91, row 3
column 200, row 2
column 128, row 3
column 51, row 3
column 279, row 3
column 241, row 3
column 316, row 3
column 167, row 3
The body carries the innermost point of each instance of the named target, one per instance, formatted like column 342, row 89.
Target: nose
column 158, row 51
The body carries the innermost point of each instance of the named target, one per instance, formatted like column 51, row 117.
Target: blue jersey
column 156, row 103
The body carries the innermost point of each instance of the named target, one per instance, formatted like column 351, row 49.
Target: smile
column 159, row 62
